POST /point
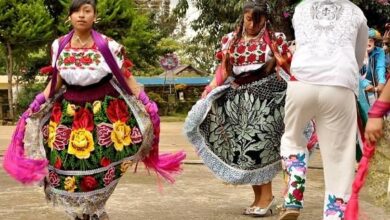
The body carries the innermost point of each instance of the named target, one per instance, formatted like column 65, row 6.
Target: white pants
column 334, row 111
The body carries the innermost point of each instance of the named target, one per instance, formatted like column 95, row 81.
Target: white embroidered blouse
column 85, row 66
column 331, row 40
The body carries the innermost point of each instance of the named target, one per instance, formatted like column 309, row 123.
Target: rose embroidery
column 109, row 176
column 54, row 180
column 81, row 142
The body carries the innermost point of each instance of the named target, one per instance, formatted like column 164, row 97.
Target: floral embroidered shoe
column 289, row 214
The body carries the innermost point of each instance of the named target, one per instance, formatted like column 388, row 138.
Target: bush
column 27, row 95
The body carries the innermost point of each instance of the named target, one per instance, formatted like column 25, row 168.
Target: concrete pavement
column 197, row 194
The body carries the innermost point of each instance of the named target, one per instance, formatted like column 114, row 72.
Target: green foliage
column 27, row 95
column 24, row 24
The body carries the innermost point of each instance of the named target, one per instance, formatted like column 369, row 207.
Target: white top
column 331, row 38
column 84, row 66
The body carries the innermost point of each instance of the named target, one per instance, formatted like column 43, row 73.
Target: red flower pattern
column 136, row 136
column 105, row 162
column 83, row 118
column 88, row 183
column 252, row 47
column 252, row 58
column 58, row 163
column 62, row 137
column 241, row 49
column 104, row 134
column 109, row 177
column 298, row 194
column 56, row 113
column 86, row 60
column 117, row 110
column 54, row 180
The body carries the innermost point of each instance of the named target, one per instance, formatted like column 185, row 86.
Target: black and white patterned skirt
column 237, row 131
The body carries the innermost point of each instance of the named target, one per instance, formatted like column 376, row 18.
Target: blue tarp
column 157, row 81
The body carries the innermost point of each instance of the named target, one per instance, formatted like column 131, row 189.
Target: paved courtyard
column 197, row 194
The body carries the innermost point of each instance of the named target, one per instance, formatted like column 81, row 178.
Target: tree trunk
column 10, row 74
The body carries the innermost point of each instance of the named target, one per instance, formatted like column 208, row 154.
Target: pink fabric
column 379, row 109
column 165, row 165
column 38, row 101
column 18, row 166
column 352, row 212
column 219, row 75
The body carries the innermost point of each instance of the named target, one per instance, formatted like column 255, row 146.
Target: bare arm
column 226, row 70
column 46, row 92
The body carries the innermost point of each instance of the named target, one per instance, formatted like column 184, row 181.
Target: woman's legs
column 263, row 195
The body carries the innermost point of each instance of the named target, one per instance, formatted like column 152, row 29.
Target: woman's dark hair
column 76, row 4
column 259, row 8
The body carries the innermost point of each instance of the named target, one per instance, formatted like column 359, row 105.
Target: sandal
column 289, row 214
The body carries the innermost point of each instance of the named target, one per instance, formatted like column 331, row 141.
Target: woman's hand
column 370, row 88
column 374, row 129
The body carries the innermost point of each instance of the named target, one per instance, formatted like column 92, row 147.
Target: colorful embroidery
column 91, row 143
column 295, row 167
column 79, row 59
column 335, row 206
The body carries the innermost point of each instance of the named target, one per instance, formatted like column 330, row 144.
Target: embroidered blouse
column 251, row 54
column 85, row 66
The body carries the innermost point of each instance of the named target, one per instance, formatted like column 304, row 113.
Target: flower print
column 88, row 183
column 225, row 39
column 58, row 163
column 241, row 49
column 54, row 180
column 125, row 166
column 298, row 194
column 70, row 184
column 69, row 60
column 136, row 136
column 252, row 58
column 262, row 58
column 118, row 114
column 81, row 142
column 241, row 60
column 109, row 176
column 57, row 135
column 263, row 47
column 70, row 109
column 104, row 134
column 335, row 206
column 252, row 47
column 86, row 60
column 120, row 135
column 105, row 162
column 97, row 106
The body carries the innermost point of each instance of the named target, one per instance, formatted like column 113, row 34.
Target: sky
column 192, row 14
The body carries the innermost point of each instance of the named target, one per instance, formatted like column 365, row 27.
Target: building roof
column 180, row 69
column 157, row 81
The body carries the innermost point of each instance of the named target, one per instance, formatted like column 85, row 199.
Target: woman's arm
column 46, row 92
column 133, row 85
column 374, row 126
column 220, row 76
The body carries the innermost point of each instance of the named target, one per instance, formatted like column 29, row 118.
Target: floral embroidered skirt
column 89, row 147
column 237, row 132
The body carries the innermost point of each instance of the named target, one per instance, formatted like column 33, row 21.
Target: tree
column 221, row 16
column 24, row 27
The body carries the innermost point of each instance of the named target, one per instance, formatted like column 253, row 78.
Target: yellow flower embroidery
column 70, row 109
column 120, row 135
column 97, row 105
column 52, row 134
column 125, row 166
column 81, row 143
column 70, row 184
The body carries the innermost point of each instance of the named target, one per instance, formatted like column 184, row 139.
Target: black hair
column 76, row 4
column 259, row 8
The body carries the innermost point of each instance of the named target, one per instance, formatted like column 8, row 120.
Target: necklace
column 83, row 44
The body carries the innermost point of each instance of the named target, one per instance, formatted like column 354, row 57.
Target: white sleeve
column 54, row 50
column 361, row 43
column 117, row 51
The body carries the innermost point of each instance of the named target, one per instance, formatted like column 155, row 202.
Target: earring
column 97, row 20
column 67, row 22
